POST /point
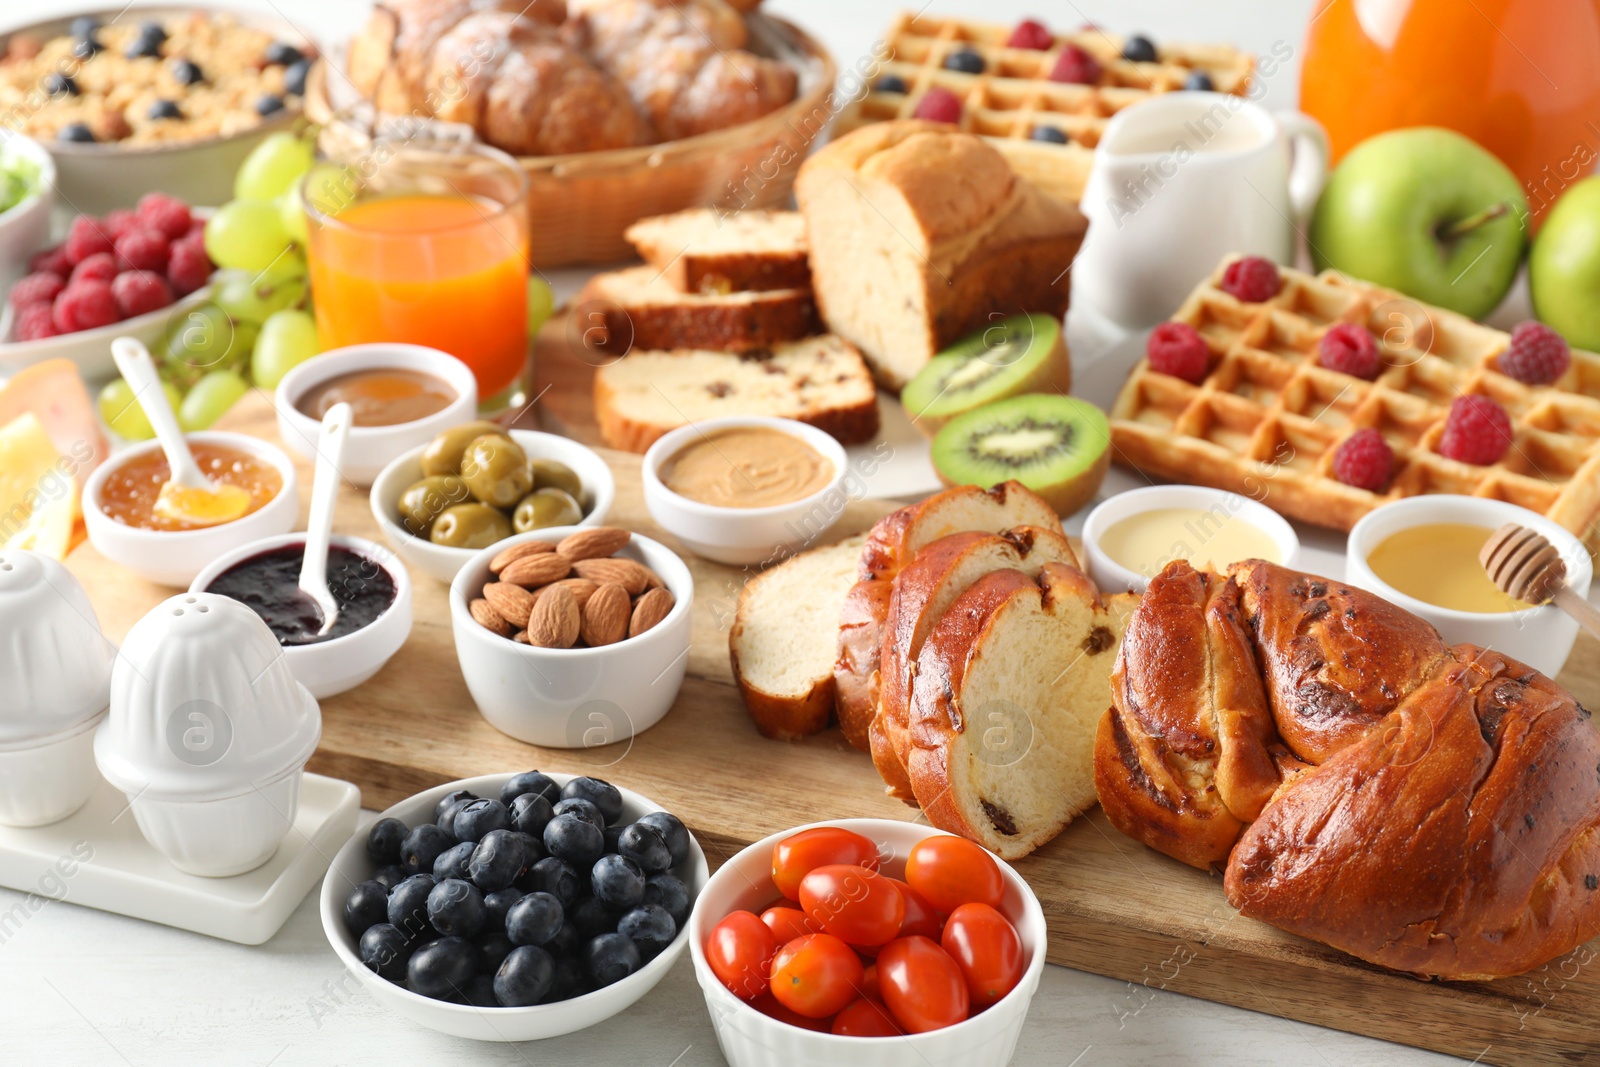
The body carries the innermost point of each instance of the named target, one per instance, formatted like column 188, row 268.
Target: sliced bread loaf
column 923, row 593
column 821, row 381
column 639, row 309
column 921, row 234
column 781, row 644
column 1009, row 690
column 706, row 251
column 892, row 543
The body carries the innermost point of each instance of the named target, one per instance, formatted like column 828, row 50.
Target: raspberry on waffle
column 1014, row 93
column 1268, row 417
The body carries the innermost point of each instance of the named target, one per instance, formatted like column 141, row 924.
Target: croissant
column 1429, row 809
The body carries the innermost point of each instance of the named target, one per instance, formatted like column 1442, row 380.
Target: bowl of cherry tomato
column 815, row 944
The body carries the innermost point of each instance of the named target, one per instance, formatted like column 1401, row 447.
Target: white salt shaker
column 208, row 734
column 55, row 674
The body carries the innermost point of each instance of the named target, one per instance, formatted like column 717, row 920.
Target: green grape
column 120, row 410
column 287, row 267
column 245, row 235
column 541, row 303
column 274, row 167
column 199, row 341
column 292, row 213
column 247, row 301
column 288, row 338
column 210, row 398
column 329, row 188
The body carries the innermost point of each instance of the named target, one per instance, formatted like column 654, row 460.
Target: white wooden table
column 85, row 987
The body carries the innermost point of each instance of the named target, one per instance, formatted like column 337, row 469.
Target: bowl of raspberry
column 124, row 274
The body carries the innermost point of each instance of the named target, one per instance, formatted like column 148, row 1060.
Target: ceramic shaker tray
column 104, row 862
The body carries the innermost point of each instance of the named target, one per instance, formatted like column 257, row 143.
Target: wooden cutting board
column 1113, row 907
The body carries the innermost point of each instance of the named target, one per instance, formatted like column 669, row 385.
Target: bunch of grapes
column 258, row 324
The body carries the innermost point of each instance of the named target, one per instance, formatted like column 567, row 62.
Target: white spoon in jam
column 188, row 496
column 319, row 527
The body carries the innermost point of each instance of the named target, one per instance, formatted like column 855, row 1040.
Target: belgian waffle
column 1266, row 419
column 1014, row 93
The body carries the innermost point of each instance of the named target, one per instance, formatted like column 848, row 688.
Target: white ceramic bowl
column 91, row 349
column 352, row 866
column 442, row 562
column 1541, row 637
column 368, row 449
column 574, row 697
column 751, row 1039
column 328, row 668
column 25, row 226
column 744, row 535
column 174, row 557
column 1113, row 577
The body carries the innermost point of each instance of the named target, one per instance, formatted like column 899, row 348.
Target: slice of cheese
column 54, row 391
column 38, row 496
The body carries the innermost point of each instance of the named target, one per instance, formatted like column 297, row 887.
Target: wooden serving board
column 1113, row 907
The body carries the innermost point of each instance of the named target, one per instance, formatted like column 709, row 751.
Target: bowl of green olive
column 478, row 483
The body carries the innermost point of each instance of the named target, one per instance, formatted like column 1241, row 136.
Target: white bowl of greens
column 27, row 191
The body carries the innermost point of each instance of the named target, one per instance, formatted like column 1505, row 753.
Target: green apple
column 1425, row 211
column 1564, row 266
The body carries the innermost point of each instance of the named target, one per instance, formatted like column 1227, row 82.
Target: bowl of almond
column 573, row 636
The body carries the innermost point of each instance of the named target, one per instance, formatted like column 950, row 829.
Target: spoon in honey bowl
column 319, row 528
column 187, row 496
column 1524, row 565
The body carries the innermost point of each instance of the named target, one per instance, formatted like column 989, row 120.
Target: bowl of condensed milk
column 1130, row 537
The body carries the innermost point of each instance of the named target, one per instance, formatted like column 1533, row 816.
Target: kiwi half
column 1016, row 355
column 1058, row 446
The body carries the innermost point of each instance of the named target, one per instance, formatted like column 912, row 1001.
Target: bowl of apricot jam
column 123, row 526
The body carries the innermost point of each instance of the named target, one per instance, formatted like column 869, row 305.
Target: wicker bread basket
column 579, row 204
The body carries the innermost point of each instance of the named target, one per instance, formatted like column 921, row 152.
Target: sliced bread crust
column 924, row 591
column 821, row 381
column 781, row 645
column 638, row 309
column 892, row 543
column 1009, row 690
column 705, row 251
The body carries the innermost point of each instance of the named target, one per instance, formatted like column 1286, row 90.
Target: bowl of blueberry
column 513, row 907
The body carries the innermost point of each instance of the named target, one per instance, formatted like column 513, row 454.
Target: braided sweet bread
column 1429, row 809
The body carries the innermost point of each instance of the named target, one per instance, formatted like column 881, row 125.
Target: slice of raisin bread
column 923, row 593
column 1009, row 691
column 639, row 309
column 782, row 645
column 706, row 251
column 821, row 381
column 891, row 544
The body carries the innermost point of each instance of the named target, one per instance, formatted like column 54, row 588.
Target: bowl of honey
column 400, row 397
column 1422, row 554
column 123, row 525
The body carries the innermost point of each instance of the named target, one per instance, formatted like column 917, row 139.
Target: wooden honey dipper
column 1526, row 566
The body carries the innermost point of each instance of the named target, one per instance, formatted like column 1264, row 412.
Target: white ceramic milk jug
column 1179, row 181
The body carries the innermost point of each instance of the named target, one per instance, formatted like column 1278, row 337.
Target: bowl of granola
column 152, row 99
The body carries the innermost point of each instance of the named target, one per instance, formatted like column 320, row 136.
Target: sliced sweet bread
column 1009, row 690
column 639, row 309
column 892, row 543
column 821, row 381
column 706, row 251
column 781, row 644
column 923, row 592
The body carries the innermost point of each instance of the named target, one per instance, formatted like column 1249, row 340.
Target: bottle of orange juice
column 1520, row 77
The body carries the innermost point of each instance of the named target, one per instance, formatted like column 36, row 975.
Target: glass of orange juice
column 425, row 241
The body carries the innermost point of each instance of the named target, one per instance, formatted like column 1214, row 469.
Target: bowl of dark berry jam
column 367, row 581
